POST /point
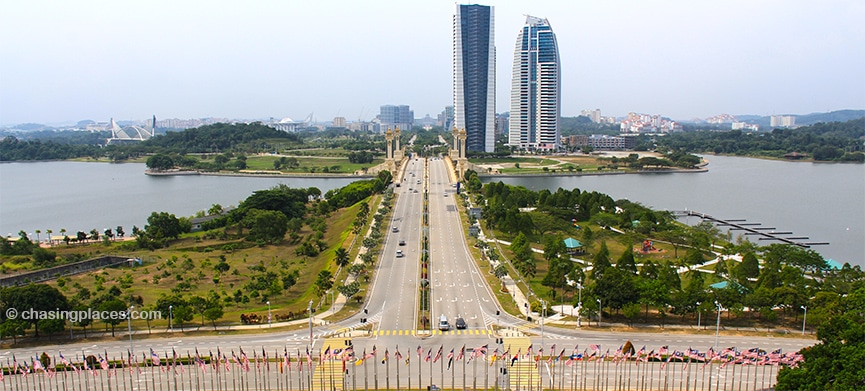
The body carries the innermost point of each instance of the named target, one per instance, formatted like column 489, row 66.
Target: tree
column 626, row 262
column 214, row 313
column 748, row 268
column 266, row 225
column 835, row 363
column 349, row 290
column 163, row 225
column 600, row 262
column 341, row 257
column 182, row 314
column 160, row 162
column 323, row 282
column 114, row 308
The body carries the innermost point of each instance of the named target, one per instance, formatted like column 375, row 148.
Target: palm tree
column 49, row 232
column 38, row 231
column 341, row 257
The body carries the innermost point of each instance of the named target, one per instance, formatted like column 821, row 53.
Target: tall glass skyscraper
column 475, row 75
column 536, row 88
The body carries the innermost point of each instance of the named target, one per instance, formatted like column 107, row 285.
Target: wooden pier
column 765, row 233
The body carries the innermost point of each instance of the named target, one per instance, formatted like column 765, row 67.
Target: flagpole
column 442, row 374
column 397, row 357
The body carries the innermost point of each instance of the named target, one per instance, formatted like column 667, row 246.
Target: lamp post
column 543, row 314
column 580, row 304
column 600, row 311
column 804, row 318
column 699, row 315
column 309, row 311
column 717, row 325
column 169, row 316
column 269, row 316
column 129, row 323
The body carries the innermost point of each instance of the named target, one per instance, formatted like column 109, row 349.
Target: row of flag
column 241, row 361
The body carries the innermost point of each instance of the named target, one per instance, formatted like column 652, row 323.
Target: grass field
column 190, row 261
column 310, row 164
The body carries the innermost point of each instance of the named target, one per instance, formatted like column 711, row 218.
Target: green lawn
column 310, row 164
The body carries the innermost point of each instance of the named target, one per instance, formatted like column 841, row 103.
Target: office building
column 536, row 88
column 393, row 117
column 474, row 60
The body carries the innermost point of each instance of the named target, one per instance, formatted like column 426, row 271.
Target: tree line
column 832, row 141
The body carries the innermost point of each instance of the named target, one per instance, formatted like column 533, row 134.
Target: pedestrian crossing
column 383, row 333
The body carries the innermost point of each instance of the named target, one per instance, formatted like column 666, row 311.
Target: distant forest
column 832, row 141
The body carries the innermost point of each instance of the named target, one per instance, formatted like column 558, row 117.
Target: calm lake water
column 825, row 202
column 83, row 196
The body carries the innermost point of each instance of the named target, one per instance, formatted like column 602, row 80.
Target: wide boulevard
column 391, row 319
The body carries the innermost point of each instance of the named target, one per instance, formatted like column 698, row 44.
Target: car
column 399, row 253
column 395, row 229
column 446, row 194
column 402, row 242
column 460, row 323
column 415, row 190
column 443, row 323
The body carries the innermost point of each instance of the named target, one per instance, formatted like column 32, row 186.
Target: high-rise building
column 536, row 88
column 396, row 116
column 475, row 75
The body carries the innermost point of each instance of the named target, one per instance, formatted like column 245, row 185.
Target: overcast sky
column 64, row 61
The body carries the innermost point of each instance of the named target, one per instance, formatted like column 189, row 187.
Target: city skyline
column 90, row 60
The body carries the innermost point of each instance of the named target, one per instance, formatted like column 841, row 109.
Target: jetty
column 751, row 228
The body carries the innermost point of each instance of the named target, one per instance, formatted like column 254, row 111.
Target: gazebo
column 573, row 246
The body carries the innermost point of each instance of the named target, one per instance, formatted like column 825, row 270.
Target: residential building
column 339, row 122
column 536, row 88
column 782, row 121
column 474, row 59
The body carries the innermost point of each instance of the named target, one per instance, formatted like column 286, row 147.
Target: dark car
column 402, row 242
column 460, row 323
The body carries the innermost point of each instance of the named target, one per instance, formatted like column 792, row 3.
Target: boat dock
column 764, row 233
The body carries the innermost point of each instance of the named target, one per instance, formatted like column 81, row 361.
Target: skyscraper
column 475, row 75
column 536, row 88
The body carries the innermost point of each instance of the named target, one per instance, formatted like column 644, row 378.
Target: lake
column 823, row 201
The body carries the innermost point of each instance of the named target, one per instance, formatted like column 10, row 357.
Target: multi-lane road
column 456, row 289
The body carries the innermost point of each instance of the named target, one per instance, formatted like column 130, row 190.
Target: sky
column 65, row 61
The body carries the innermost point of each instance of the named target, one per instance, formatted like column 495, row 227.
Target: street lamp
column 717, row 325
column 309, row 311
column 269, row 317
column 699, row 315
column 169, row 316
column 580, row 305
column 543, row 314
column 804, row 307
column 600, row 311
column 129, row 320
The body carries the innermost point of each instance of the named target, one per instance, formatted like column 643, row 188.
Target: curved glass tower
column 535, row 88
column 475, row 75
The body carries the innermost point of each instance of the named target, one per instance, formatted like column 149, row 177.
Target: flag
column 481, row 351
column 102, row 362
column 438, row 354
column 428, row 355
column 529, row 351
column 595, row 348
column 386, row 356
column 450, row 358
column 327, row 353
column 494, row 356
column 397, row 355
column 37, row 366
column 516, row 356
column 154, row 358
column 663, row 350
column 419, row 351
